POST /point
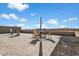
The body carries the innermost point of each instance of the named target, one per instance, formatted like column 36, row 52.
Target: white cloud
column 9, row 16
column 32, row 14
column 71, row 19
column 18, row 6
column 64, row 20
column 62, row 26
column 23, row 20
column 20, row 24
column 43, row 26
column 53, row 21
column 11, row 25
column 12, row 15
column 5, row 16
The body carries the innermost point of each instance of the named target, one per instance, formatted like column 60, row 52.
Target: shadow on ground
column 14, row 36
column 35, row 40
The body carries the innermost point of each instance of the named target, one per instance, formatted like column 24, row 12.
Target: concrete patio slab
column 22, row 46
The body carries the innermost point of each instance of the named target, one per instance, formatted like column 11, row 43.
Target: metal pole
column 40, row 46
column 40, row 49
column 40, row 27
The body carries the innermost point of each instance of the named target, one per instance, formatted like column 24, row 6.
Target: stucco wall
column 6, row 29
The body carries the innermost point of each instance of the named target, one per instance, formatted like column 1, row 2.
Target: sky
column 27, row 15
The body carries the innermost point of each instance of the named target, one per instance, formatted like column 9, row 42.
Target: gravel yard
column 67, row 46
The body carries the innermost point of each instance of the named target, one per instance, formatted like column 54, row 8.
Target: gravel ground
column 67, row 46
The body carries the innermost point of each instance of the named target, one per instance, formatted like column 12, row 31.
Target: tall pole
column 40, row 27
column 40, row 46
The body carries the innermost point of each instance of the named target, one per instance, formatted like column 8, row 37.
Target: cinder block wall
column 6, row 29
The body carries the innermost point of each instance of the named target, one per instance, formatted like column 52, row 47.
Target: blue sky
column 27, row 15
